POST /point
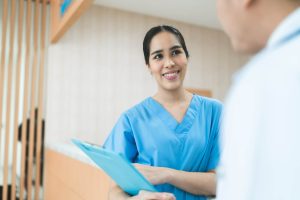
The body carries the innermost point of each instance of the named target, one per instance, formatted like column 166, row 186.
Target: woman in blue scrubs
column 173, row 135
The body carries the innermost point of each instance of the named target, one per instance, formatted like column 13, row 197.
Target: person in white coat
column 261, row 125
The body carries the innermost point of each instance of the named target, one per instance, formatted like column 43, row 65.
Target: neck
column 270, row 20
column 171, row 97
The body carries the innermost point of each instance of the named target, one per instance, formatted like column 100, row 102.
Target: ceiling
column 198, row 12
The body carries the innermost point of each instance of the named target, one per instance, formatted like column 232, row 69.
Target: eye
column 158, row 57
column 176, row 52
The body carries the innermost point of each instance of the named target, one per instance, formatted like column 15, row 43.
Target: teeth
column 171, row 74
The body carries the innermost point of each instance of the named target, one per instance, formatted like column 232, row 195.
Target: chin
column 172, row 87
column 246, row 48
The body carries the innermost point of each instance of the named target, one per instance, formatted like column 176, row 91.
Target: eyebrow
column 172, row 48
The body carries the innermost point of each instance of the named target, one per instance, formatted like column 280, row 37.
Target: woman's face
column 167, row 61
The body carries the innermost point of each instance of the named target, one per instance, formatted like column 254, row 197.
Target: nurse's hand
column 145, row 195
column 155, row 175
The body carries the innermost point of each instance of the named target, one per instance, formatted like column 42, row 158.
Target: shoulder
column 208, row 103
column 273, row 62
column 271, row 69
column 138, row 111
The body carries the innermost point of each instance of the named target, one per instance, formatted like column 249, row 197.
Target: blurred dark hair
column 154, row 31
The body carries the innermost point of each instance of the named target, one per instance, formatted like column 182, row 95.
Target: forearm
column 198, row 183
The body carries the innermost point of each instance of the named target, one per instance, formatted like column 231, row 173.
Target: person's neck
column 172, row 97
column 274, row 16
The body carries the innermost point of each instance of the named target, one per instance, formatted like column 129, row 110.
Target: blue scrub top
column 148, row 134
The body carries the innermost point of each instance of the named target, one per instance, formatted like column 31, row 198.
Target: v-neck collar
column 168, row 119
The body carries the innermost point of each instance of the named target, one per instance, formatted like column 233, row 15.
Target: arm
column 116, row 193
column 197, row 183
column 121, row 140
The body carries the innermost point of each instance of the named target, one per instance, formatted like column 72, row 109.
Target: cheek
column 219, row 9
column 182, row 62
column 221, row 13
column 156, row 67
column 224, row 15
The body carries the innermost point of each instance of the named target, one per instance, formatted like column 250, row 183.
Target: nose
column 169, row 63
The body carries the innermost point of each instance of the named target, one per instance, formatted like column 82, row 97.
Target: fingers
column 145, row 195
column 139, row 166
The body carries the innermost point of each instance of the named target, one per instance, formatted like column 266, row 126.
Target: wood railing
column 21, row 94
column 24, row 40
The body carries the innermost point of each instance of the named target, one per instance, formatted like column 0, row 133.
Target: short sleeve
column 121, row 139
column 215, row 152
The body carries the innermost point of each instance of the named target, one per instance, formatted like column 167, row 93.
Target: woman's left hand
column 155, row 175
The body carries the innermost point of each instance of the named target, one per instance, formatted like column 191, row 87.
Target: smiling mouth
column 174, row 73
column 171, row 75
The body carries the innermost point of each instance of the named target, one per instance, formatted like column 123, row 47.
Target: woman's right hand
column 146, row 195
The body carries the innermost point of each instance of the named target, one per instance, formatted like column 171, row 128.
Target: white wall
column 97, row 71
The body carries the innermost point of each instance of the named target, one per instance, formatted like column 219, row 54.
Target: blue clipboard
column 117, row 167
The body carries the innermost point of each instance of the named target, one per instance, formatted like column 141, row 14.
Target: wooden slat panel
column 17, row 94
column 25, row 102
column 40, row 101
column 8, row 97
column 2, row 64
column 33, row 98
column 13, row 94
